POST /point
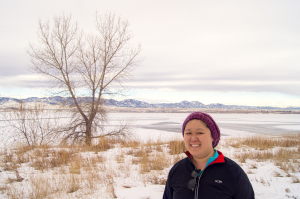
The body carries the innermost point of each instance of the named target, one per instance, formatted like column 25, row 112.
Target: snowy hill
column 132, row 103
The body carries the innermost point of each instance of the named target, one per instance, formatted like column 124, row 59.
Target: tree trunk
column 88, row 135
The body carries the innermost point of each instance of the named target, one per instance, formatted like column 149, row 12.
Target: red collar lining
column 219, row 159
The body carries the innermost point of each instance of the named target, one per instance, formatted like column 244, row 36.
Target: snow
column 128, row 183
column 149, row 191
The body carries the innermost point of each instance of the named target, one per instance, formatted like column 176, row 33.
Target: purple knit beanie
column 209, row 121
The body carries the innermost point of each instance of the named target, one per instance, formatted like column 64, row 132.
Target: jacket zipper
column 196, row 191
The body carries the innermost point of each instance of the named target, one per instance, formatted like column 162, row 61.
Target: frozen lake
column 230, row 124
column 148, row 125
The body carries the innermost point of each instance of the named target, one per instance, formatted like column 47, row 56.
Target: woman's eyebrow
column 201, row 129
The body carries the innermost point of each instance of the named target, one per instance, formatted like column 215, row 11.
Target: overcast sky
column 231, row 52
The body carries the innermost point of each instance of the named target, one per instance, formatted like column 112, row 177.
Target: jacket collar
column 220, row 158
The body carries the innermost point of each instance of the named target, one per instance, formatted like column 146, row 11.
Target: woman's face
column 198, row 139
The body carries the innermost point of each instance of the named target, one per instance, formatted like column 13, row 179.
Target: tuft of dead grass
column 160, row 161
column 120, row 158
column 277, row 174
column 144, row 163
column 295, row 179
column 42, row 160
column 110, row 186
column 176, row 147
column 277, row 156
column 156, row 179
column 127, row 143
column 74, row 183
column 102, row 145
column 265, row 142
column 75, row 166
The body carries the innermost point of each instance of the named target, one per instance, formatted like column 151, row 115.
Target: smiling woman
column 198, row 141
column 205, row 172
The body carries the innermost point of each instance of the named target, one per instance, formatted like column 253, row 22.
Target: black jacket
column 222, row 179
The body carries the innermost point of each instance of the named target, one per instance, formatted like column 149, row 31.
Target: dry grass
column 282, row 151
column 68, row 169
column 127, row 143
column 253, row 166
column 295, row 179
column 91, row 162
column 110, row 186
column 277, row 174
column 285, row 159
column 103, row 144
column 120, row 158
column 142, row 151
column 279, row 155
column 265, row 142
column 75, row 166
column 144, row 162
column 176, row 147
column 160, row 161
column 157, row 142
column 106, row 143
column 151, row 159
column 156, row 179
column 74, row 183
column 49, row 159
column 40, row 186
column 65, row 170
column 12, row 192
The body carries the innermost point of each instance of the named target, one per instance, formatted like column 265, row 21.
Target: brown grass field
column 76, row 171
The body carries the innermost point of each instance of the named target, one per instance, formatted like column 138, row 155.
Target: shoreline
column 190, row 110
column 115, row 109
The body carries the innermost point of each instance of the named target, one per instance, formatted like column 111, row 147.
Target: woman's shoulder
column 233, row 167
column 181, row 164
column 181, row 169
column 231, row 163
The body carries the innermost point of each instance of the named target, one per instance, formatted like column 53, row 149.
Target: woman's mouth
column 195, row 145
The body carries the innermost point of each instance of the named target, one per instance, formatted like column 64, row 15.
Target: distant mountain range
column 5, row 101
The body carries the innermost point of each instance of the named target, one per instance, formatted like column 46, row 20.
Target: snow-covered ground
column 262, row 176
column 124, row 178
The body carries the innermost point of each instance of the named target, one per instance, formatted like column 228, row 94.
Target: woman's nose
column 194, row 137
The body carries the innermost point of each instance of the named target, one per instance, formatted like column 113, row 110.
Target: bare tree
column 86, row 67
column 30, row 125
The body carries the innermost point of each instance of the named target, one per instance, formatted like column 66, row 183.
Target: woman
column 205, row 172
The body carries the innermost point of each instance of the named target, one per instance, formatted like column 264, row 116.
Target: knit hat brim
column 209, row 121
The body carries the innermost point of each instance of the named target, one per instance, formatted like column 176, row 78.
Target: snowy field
column 168, row 125
column 268, row 180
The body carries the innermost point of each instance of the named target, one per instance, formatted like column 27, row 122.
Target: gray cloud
column 197, row 46
column 220, row 86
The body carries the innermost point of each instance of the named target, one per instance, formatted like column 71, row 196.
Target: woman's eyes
column 191, row 133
